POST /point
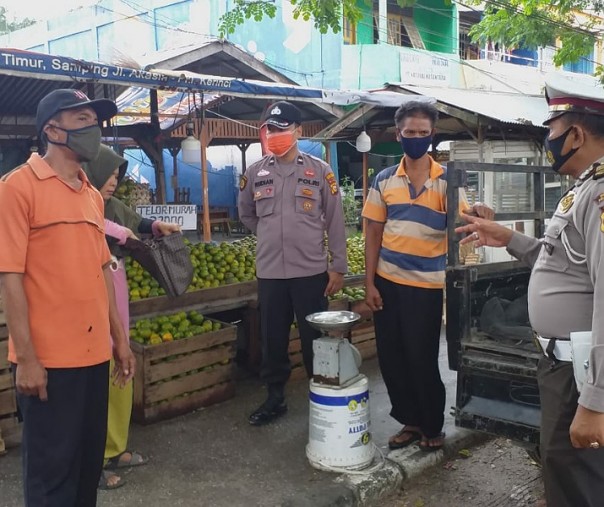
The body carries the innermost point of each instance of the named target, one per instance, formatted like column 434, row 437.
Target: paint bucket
column 339, row 426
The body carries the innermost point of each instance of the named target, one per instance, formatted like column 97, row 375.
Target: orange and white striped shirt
column 414, row 243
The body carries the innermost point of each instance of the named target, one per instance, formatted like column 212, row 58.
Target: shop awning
column 515, row 108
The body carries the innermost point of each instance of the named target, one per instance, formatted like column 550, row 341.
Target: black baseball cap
column 64, row 99
column 282, row 114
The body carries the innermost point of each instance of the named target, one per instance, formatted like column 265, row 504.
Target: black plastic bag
column 167, row 259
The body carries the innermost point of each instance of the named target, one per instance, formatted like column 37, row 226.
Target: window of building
column 402, row 30
column 349, row 32
column 584, row 65
column 468, row 50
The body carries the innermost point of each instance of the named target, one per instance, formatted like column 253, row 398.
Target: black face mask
column 553, row 148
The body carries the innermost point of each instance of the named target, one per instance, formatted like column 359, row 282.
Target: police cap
column 282, row 114
column 565, row 95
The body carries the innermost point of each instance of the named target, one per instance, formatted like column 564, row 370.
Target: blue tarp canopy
column 26, row 77
column 14, row 62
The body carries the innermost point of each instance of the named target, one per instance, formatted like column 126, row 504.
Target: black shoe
column 268, row 412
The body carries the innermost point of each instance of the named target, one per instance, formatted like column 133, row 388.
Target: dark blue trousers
column 278, row 301
column 64, row 438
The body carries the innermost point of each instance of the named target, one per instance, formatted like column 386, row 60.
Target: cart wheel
column 535, row 454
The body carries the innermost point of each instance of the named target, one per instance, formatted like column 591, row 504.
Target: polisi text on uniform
column 263, row 183
column 306, row 181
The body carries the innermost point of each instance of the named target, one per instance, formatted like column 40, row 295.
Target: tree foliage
column 7, row 26
column 539, row 23
column 325, row 14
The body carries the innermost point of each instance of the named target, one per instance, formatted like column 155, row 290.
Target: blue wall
column 294, row 48
column 222, row 183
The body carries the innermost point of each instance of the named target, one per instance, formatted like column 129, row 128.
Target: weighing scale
column 339, row 424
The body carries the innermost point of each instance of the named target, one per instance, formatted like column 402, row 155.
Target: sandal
column 425, row 442
column 136, row 459
column 413, row 436
column 104, row 481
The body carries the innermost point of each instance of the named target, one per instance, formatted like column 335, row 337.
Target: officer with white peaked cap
column 566, row 295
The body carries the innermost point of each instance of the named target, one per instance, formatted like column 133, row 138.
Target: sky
column 37, row 9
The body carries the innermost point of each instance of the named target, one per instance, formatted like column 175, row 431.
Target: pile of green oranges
column 224, row 263
column 350, row 293
column 215, row 264
column 355, row 254
column 168, row 328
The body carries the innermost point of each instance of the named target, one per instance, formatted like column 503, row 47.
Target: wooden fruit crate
column 174, row 378
column 295, row 355
column 225, row 297
column 10, row 428
column 362, row 335
column 339, row 305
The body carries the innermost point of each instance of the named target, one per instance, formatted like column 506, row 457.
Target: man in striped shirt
column 405, row 257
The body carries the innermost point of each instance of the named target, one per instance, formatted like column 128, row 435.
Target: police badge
column 566, row 202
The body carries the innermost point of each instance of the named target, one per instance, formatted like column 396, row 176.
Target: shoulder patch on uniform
column 599, row 173
column 566, row 202
column 602, row 221
column 331, row 180
column 242, row 183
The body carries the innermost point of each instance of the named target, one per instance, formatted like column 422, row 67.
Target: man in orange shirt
column 59, row 303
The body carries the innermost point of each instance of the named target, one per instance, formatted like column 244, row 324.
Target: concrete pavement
column 214, row 458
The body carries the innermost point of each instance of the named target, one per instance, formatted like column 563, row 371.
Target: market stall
column 179, row 369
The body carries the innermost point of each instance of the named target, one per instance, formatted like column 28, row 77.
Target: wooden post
column 243, row 147
column 205, row 200
column 365, row 184
column 174, row 153
column 160, row 180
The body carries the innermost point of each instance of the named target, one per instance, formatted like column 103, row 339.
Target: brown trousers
column 573, row 477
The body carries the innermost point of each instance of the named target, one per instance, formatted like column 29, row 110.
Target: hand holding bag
column 167, row 259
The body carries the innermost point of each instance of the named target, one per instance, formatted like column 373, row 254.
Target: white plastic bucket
column 339, row 426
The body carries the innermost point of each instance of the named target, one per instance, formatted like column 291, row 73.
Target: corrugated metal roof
column 20, row 95
column 214, row 57
column 504, row 107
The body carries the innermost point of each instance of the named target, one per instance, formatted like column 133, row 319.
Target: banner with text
column 425, row 68
column 42, row 66
column 184, row 215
